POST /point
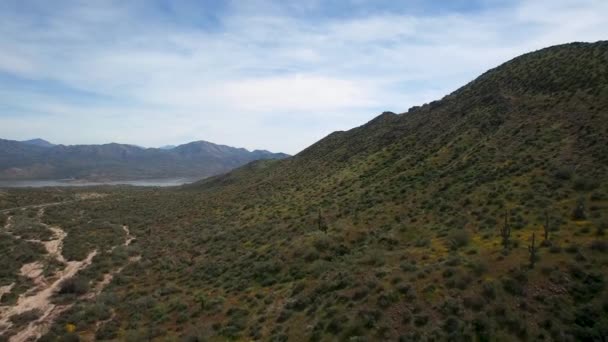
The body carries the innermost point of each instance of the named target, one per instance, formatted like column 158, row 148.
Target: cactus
column 579, row 211
column 532, row 250
column 546, row 226
column 505, row 231
column 322, row 225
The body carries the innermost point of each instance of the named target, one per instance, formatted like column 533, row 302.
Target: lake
column 70, row 182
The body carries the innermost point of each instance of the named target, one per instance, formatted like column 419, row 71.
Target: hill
column 36, row 159
column 481, row 216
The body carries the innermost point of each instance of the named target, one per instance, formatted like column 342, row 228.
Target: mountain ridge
column 114, row 161
column 485, row 100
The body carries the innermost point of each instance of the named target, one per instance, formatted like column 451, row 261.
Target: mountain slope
column 20, row 160
column 394, row 230
column 414, row 204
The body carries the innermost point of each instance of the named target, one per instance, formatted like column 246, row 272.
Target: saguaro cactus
column 321, row 223
column 546, row 226
column 505, row 231
column 532, row 250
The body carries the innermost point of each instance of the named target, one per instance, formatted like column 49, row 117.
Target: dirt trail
column 39, row 298
column 107, row 278
column 6, row 289
column 129, row 237
column 9, row 220
column 53, row 247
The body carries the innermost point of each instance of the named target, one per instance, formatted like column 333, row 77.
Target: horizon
column 165, row 73
column 134, row 145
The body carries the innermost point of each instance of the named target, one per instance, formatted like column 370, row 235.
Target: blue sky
column 275, row 75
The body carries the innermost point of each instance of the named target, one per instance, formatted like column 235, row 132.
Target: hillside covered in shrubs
column 480, row 216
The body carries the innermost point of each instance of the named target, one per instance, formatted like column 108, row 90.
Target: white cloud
column 261, row 78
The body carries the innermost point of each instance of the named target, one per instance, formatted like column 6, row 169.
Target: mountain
column 392, row 230
column 167, row 147
column 38, row 142
column 478, row 217
column 36, row 160
column 536, row 113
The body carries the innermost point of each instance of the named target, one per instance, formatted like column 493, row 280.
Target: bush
column 474, row 302
column 451, row 325
column 572, row 249
column 513, row 287
column 25, row 317
column 74, row 285
column 579, row 211
column 584, row 184
column 598, row 196
column 421, row 320
column 488, row 290
column 107, row 331
column 336, row 325
column 599, row 245
column 563, row 173
column 555, row 249
column 458, row 238
column 479, row 268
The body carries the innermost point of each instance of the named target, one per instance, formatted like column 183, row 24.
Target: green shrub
column 584, row 184
column 107, row 331
column 579, row 211
column 488, row 290
column 421, row 320
column 75, row 285
column 512, row 286
column 25, row 317
column 564, row 173
column 458, row 238
column 599, row 245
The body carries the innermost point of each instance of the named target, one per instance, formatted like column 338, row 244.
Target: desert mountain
column 478, row 217
column 39, row 159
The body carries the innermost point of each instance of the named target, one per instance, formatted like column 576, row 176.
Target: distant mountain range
column 38, row 142
column 40, row 159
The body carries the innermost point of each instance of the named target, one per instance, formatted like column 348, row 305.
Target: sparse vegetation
column 421, row 207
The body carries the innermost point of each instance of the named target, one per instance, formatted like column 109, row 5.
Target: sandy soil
column 90, row 195
column 6, row 289
column 39, row 297
column 41, row 300
column 107, row 278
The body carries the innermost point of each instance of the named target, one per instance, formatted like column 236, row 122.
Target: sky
column 260, row 74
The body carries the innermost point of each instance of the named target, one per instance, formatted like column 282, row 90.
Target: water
column 164, row 182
